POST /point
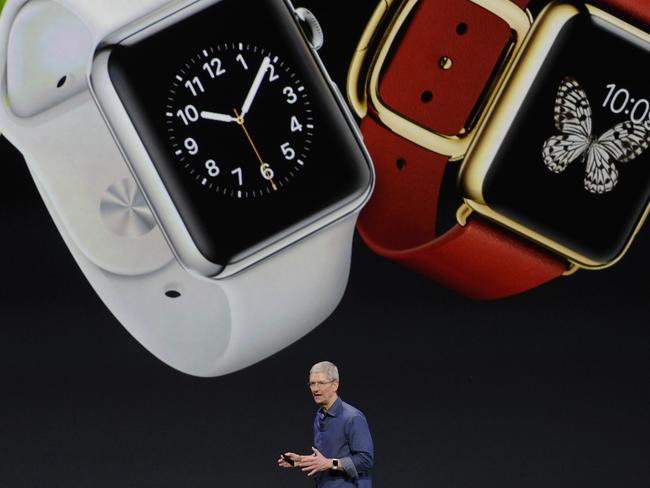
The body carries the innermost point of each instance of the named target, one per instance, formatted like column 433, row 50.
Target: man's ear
column 336, row 386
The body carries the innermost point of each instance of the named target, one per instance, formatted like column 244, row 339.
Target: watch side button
column 124, row 210
column 311, row 27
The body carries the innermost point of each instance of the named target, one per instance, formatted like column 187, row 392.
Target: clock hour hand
column 217, row 117
column 255, row 87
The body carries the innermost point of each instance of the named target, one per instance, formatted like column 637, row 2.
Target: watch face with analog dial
column 575, row 164
column 241, row 120
column 241, row 124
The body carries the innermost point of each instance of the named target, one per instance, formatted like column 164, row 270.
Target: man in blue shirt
column 342, row 453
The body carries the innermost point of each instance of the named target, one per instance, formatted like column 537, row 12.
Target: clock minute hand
column 255, row 87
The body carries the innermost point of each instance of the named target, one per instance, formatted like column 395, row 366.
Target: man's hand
column 294, row 457
column 316, row 463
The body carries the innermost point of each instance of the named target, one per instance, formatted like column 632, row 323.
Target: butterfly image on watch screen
column 621, row 144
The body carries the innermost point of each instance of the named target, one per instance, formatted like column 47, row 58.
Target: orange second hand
column 250, row 140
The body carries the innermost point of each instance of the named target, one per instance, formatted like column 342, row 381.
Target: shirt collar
column 334, row 410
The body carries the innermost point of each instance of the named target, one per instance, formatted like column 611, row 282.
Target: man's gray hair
column 328, row 368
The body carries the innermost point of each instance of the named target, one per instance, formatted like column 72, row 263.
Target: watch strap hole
column 173, row 290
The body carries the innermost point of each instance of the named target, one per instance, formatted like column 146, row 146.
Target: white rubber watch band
column 204, row 327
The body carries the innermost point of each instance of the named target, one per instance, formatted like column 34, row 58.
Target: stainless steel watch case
column 149, row 181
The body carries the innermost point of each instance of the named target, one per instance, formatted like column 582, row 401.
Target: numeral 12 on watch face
column 240, row 121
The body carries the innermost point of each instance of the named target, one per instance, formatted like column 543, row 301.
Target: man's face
column 322, row 388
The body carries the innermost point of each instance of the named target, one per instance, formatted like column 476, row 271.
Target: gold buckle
column 360, row 85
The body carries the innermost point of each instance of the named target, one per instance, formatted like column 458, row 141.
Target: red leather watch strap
column 478, row 260
column 473, row 38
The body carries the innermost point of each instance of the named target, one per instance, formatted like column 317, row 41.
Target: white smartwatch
column 197, row 160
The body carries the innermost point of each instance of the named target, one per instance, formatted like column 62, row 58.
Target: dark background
column 550, row 388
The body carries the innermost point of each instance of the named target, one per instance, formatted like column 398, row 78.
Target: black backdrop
column 547, row 389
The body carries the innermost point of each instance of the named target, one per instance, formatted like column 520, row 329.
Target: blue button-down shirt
column 342, row 433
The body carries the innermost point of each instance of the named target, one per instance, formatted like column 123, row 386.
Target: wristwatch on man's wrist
column 198, row 161
column 545, row 103
column 335, row 464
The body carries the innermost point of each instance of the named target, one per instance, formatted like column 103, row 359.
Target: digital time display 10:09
column 619, row 100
